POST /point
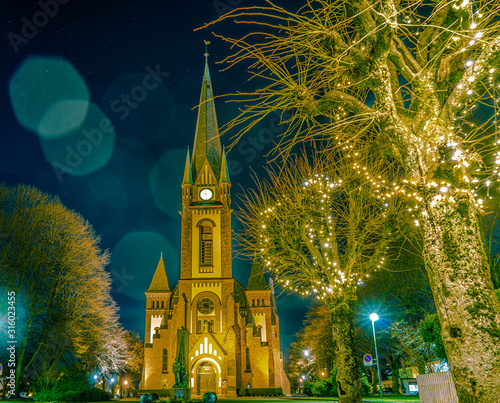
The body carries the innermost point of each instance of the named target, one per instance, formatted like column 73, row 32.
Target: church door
column 206, row 378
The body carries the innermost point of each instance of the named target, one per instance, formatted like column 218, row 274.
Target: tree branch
column 476, row 73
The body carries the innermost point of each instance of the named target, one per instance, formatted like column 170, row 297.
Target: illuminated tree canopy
column 319, row 233
column 421, row 78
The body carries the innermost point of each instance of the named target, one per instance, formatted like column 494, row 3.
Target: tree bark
column 394, row 364
column 348, row 382
column 468, row 309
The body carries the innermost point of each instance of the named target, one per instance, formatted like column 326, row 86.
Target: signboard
column 367, row 360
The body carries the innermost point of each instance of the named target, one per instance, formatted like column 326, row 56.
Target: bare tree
column 50, row 257
column 413, row 350
column 421, row 77
column 319, row 234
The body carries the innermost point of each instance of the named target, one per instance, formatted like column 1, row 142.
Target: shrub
column 261, row 392
column 70, row 386
column 308, row 386
column 365, row 387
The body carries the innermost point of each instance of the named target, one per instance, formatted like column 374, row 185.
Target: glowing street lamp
column 306, row 353
column 374, row 317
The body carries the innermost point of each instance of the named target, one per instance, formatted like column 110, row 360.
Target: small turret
column 187, row 179
column 225, row 182
column 160, row 280
column 257, row 280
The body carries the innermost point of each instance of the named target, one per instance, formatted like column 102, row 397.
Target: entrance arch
column 206, row 378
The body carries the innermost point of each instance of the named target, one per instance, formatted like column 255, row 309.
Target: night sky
column 126, row 181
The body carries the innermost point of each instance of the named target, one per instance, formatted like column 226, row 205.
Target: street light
column 374, row 317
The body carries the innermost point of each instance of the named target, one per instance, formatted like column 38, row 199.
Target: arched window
column 262, row 301
column 206, row 244
column 152, row 304
column 157, row 304
column 247, row 358
column 162, row 304
column 198, row 329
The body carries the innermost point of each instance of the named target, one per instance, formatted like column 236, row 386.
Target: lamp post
column 374, row 317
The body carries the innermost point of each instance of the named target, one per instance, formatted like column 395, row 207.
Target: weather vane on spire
column 206, row 48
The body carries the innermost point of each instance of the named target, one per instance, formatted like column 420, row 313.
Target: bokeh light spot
column 84, row 150
column 41, row 82
column 62, row 118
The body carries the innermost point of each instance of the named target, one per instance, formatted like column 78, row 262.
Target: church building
column 232, row 332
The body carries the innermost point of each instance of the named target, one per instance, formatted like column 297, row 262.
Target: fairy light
column 330, row 274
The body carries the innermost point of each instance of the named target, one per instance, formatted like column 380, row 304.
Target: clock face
column 206, row 194
column 206, row 306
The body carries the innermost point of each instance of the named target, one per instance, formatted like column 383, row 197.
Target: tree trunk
column 374, row 385
column 20, row 357
column 348, row 382
column 395, row 375
column 467, row 306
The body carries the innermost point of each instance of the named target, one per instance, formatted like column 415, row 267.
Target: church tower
column 206, row 212
column 223, row 342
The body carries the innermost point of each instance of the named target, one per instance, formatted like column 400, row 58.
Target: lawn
column 386, row 399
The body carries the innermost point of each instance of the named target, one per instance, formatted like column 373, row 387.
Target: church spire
column 188, row 177
column 160, row 281
column 207, row 143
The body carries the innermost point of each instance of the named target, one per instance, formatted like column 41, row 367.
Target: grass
column 386, row 399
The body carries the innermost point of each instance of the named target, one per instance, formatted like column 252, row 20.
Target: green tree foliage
column 430, row 331
column 316, row 338
column 50, row 257
column 398, row 293
column 412, row 74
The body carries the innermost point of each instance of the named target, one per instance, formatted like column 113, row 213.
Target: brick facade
column 233, row 332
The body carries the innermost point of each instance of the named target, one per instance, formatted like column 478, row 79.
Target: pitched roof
column 160, row 281
column 257, row 280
